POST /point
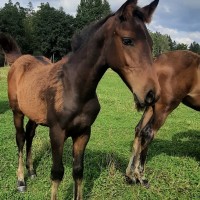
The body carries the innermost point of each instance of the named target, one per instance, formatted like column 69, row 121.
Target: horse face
column 130, row 51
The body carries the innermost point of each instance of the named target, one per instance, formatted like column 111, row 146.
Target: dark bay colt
column 63, row 96
column 178, row 74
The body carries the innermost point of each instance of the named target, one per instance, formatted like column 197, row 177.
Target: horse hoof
column 130, row 181
column 145, row 184
column 32, row 174
column 21, row 187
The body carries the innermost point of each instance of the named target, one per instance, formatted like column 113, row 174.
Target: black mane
column 82, row 37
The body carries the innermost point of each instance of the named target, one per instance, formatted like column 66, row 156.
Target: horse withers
column 63, row 96
column 178, row 74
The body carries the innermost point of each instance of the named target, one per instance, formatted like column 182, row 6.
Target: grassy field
column 172, row 164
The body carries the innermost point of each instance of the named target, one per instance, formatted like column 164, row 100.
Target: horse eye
column 127, row 41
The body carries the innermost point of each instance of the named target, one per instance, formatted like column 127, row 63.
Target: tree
column 28, row 27
column 52, row 30
column 91, row 10
column 195, row 47
column 12, row 21
column 106, row 8
column 172, row 44
column 30, row 9
column 181, row 46
column 160, row 43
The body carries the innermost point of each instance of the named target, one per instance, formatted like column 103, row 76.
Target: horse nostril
column 150, row 98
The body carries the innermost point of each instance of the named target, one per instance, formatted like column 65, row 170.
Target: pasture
column 172, row 164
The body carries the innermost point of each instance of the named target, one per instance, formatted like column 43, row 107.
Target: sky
column 178, row 18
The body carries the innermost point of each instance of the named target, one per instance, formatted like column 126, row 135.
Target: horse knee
column 137, row 130
column 78, row 171
column 146, row 135
column 57, row 174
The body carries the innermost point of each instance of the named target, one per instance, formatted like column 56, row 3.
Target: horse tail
column 9, row 48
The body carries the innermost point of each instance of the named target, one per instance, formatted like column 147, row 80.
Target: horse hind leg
column 20, row 140
column 30, row 133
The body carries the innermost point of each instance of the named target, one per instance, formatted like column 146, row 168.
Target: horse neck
column 85, row 69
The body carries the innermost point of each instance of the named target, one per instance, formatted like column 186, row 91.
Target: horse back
column 29, row 79
column 178, row 73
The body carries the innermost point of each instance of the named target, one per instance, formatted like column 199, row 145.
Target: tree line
column 163, row 43
column 48, row 31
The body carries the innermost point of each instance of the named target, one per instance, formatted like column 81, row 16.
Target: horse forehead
column 134, row 26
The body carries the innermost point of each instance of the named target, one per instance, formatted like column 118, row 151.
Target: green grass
column 173, row 159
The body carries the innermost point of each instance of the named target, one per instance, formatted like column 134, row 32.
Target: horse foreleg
column 57, row 137
column 20, row 140
column 133, row 171
column 79, row 144
column 30, row 133
column 149, row 131
column 133, row 166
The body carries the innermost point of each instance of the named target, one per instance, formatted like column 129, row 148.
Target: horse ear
column 123, row 11
column 149, row 10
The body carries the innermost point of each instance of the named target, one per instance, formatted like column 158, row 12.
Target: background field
column 172, row 164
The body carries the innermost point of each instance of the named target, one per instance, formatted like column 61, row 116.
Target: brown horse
column 179, row 78
column 63, row 96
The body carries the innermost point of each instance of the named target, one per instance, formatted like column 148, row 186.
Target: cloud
column 177, row 35
column 70, row 7
column 184, row 15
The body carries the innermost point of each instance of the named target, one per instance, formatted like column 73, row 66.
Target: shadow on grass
column 4, row 106
column 182, row 144
column 95, row 163
column 44, row 151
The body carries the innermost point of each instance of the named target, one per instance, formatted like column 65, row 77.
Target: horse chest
column 83, row 117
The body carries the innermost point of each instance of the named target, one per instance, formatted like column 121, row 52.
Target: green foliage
column 91, row 10
column 12, row 18
column 181, row 46
column 172, row 44
column 161, row 43
column 172, row 163
column 52, row 38
column 195, row 47
column 48, row 31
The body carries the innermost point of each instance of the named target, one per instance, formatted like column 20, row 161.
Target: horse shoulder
column 87, row 115
column 76, row 116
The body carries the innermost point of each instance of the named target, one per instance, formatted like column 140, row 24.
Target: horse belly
column 32, row 106
column 31, row 103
